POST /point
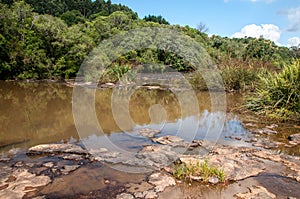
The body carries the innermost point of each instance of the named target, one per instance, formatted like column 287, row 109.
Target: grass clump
column 199, row 170
column 115, row 72
column 278, row 94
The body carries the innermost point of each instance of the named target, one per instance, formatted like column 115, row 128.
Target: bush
column 278, row 94
column 239, row 78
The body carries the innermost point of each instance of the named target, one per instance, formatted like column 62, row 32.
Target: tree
column 202, row 28
column 73, row 17
column 158, row 19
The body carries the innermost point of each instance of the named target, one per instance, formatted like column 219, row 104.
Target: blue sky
column 278, row 20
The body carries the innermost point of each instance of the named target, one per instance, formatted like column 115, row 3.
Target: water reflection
column 35, row 113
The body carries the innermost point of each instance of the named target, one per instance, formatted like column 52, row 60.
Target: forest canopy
column 42, row 39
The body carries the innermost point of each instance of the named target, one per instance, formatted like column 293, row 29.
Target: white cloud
column 294, row 17
column 294, row 41
column 267, row 31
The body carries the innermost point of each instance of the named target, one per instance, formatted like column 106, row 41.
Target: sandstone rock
column 161, row 181
column 23, row 183
column 213, row 180
column 256, row 192
column 150, row 133
column 56, row 148
column 158, row 156
column 125, row 196
column 73, row 157
column 265, row 131
column 168, row 140
column 69, row 168
column 3, row 159
column 236, row 162
column 48, row 164
column 272, row 126
column 295, row 138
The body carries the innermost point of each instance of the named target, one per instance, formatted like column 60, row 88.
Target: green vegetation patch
column 201, row 170
column 278, row 94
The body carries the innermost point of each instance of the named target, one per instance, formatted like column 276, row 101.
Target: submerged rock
column 294, row 139
column 56, row 148
column 169, row 140
column 150, row 133
column 256, row 192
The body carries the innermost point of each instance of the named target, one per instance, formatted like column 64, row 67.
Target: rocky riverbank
column 71, row 171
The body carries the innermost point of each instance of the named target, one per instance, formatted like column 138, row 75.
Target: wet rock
column 48, row 164
column 213, row 180
column 250, row 125
column 107, row 85
column 5, row 173
column 158, row 156
column 232, row 159
column 272, row 126
column 256, row 192
column 294, row 139
column 125, row 196
column 265, row 131
column 267, row 144
column 196, row 143
column 74, row 157
column 139, row 190
column 56, row 148
column 29, row 164
column 150, row 194
column 19, row 164
column 4, row 159
column 169, row 140
column 150, row 133
column 161, row 181
column 69, row 168
column 24, row 182
column 292, row 162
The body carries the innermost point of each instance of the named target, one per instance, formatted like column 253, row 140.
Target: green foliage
column 239, row 78
column 73, row 17
column 115, row 73
column 278, row 94
column 157, row 19
column 50, row 39
column 198, row 169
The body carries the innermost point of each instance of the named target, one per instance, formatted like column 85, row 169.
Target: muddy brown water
column 41, row 112
column 33, row 113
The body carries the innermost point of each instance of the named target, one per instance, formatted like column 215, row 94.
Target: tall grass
column 278, row 94
column 235, row 78
column 114, row 73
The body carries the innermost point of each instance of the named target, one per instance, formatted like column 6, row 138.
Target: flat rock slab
column 150, row 133
column 22, row 182
column 125, row 196
column 168, row 140
column 256, row 192
column 266, row 131
column 161, row 181
column 237, row 162
column 56, row 148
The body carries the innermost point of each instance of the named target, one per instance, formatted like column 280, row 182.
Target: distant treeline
column 50, row 39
